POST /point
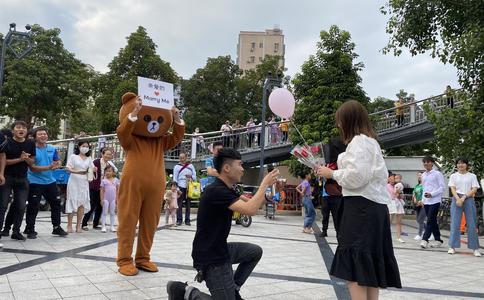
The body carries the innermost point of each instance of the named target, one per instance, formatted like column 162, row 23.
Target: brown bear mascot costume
column 143, row 134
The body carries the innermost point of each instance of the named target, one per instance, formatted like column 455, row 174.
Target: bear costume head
column 152, row 121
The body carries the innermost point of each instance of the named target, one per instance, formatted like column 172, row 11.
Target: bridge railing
column 196, row 146
column 413, row 112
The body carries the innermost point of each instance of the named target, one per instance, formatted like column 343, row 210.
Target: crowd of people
column 278, row 131
column 27, row 166
column 355, row 184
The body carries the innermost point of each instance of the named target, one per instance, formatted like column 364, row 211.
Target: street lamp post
column 270, row 82
column 14, row 35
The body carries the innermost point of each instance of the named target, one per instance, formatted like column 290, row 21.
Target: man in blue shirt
column 211, row 171
column 42, row 183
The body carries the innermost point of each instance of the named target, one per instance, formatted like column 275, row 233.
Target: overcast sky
column 187, row 32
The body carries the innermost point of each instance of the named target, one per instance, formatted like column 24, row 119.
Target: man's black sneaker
column 323, row 234
column 31, row 236
column 5, row 232
column 59, row 231
column 18, row 236
column 237, row 295
column 27, row 231
column 178, row 223
column 188, row 224
column 176, row 290
column 96, row 228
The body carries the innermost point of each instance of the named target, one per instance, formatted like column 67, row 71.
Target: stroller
column 271, row 202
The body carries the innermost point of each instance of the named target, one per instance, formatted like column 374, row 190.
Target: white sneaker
column 477, row 253
column 1, row 245
column 424, row 244
column 436, row 244
column 113, row 229
column 417, row 238
column 103, row 229
column 401, row 240
column 451, row 251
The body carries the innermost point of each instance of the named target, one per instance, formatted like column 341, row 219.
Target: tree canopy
column 47, row 85
column 327, row 78
column 453, row 32
column 221, row 91
column 137, row 58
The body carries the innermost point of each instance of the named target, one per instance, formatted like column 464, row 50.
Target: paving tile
column 114, row 286
column 61, row 282
column 79, row 290
column 27, row 294
column 30, row 285
column 6, row 296
column 127, row 295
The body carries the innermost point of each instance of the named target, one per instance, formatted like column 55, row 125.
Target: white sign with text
column 155, row 93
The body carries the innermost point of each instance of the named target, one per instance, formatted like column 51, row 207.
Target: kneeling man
column 212, row 256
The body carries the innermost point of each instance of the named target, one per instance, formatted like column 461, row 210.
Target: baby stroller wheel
column 245, row 220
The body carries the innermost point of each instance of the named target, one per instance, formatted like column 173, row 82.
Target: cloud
column 188, row 32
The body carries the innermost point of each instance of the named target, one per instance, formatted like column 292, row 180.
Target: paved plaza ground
column 294, row 265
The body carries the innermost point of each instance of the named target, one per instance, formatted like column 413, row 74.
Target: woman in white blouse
column 78, row 200
column 364, row 256
column 463, row 185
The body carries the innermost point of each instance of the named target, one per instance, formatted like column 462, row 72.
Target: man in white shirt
column 226, row 129
column 183, row 173
column 433, row 187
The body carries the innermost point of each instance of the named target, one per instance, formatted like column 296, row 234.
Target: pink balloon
column 282, row 103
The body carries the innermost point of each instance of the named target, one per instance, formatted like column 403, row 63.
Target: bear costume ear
column 128, row 97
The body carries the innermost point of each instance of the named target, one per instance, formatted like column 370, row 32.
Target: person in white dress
column 78, row 199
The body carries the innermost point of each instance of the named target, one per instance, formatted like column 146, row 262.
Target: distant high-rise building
column 253, row 47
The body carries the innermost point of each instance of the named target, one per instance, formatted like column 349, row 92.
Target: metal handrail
column 413, row 112
column 244, row 139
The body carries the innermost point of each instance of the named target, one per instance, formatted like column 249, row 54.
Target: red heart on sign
column 157, row 93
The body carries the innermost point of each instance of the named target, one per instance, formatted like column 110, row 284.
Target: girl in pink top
column 171, row 203
column 109, row 196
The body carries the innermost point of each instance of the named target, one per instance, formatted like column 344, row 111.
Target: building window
column 261, row 45
column 276, row 47
column 252, row 59
column 260, row 59
column 252, row 47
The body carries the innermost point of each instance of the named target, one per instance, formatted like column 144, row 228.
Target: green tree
column 220, row 91
column 209, row 95
column 137, row 58
column 449, row 30
column 452, row 32
column 326, row 79
column 47, row 85
column 379, row 104
column 459, row 132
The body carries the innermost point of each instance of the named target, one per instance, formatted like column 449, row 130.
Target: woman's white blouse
column 362, row 170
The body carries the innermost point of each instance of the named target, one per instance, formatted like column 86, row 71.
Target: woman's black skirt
column 365, row 251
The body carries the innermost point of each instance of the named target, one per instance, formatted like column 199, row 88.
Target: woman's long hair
column 352, row 119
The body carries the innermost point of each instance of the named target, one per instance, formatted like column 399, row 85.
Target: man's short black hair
column 18, row 122
column 428, row 158
column 217, row 143
column 34, row 133
column 462, row 159
column 225, row 156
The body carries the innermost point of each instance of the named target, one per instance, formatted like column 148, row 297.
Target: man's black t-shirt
column 214, row 220
column 3, row 143
column 13, row 150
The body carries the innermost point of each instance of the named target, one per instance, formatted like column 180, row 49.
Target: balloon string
column 304, row 140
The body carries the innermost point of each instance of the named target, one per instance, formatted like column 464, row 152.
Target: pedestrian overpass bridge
column 414, row 129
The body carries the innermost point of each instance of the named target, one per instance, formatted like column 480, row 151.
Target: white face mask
column 84, row 150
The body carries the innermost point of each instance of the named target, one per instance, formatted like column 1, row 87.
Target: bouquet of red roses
column 311, row 156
